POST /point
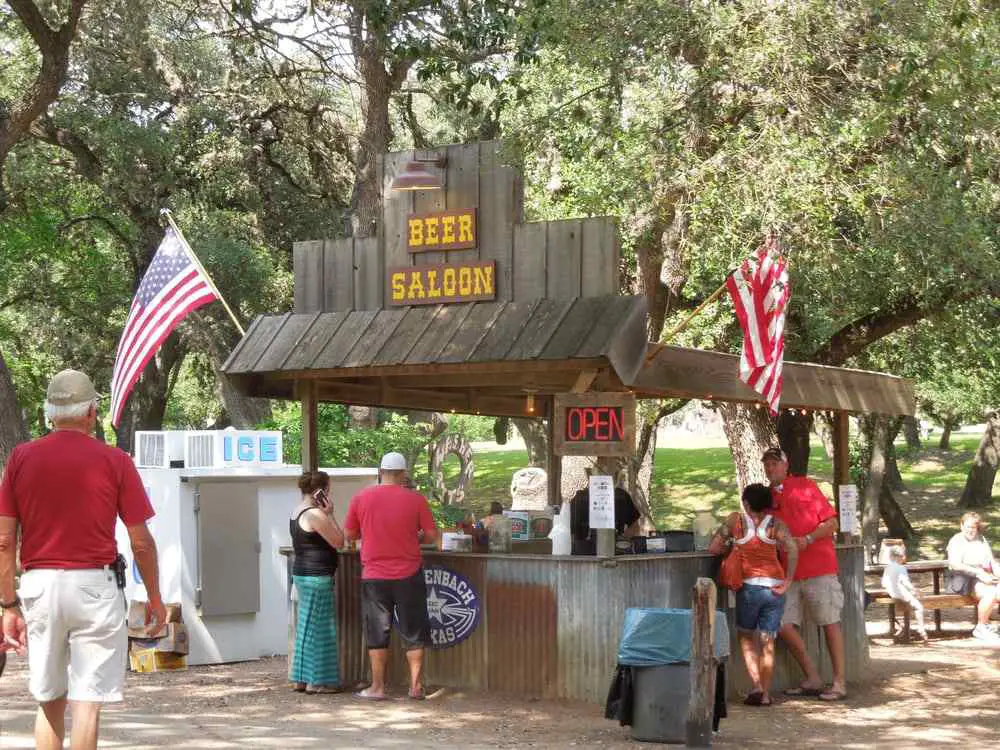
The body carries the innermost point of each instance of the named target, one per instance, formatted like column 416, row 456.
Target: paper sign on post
column 849, row 508
column 602, row 503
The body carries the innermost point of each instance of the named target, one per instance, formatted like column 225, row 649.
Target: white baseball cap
column 393, row 462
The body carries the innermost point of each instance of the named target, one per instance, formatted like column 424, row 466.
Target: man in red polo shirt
column 66, row 491
column 391, row 520
column 812, row 521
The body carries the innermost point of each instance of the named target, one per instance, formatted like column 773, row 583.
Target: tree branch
column 855, row 336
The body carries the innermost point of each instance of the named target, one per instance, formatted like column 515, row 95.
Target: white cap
column 393, row 462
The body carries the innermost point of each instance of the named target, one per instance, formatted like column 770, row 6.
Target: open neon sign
column 595, row 424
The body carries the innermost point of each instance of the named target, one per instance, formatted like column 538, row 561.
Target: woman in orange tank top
column 755, row 535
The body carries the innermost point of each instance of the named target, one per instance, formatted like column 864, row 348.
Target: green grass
column 688, row 479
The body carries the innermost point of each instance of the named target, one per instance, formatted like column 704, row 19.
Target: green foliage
column 342, row 445
column 474, row 428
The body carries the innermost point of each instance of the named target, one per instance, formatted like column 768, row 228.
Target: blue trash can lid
column 653, row 637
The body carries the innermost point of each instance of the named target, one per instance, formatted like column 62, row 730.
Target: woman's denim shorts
column 759, row 608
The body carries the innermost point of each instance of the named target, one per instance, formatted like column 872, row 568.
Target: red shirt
column 67, row 490
column 800, row 504
column 388, row 517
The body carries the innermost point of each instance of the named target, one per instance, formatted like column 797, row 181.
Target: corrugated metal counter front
column 548, row 626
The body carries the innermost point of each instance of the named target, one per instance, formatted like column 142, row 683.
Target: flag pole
column 709, row 300
column 180, row 236
column 660, row 345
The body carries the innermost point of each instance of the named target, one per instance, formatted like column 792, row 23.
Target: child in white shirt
column 896, row 581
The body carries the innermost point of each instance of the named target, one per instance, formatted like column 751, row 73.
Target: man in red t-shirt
column 391, row 520
column 812, row 521
column 66, row 491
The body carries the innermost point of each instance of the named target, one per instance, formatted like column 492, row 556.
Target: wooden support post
column 841, row 460
column 605, row 542
column 701, row 703
column 310, row 444
column 553, row 460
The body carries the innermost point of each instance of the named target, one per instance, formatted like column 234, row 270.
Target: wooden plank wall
column 555, row 259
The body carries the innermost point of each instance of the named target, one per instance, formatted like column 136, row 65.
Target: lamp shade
column 415, row 177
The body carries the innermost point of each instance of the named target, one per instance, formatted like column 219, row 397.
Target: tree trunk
column 979, row 483
column 893, row 479
column 750, row 432
column 875, row 427
column 946, row 428
column 535, row 439
column 243, row 412
column 895, row 520
column 911, row 430
column 640, row 475
column 793, row 437
column 823, row 427
column 12, row 427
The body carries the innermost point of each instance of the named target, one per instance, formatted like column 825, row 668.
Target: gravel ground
column 937, row 695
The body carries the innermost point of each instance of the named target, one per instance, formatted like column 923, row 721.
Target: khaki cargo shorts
column 822, row 596
column 77, row 639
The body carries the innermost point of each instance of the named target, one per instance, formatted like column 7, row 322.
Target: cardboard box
column 151, row 660
column 173, row 640
column 137, row 617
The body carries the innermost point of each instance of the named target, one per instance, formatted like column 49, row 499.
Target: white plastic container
column 703, row 527
column 562, row 541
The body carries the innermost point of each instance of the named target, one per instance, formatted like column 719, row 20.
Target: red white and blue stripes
column 760, row 291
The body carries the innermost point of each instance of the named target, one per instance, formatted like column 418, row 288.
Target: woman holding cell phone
column 315, row 538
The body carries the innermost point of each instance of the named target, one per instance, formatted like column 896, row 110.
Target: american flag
column 760, row 292
column 173, row 286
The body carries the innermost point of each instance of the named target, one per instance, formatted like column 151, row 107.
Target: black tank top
column 313, row 554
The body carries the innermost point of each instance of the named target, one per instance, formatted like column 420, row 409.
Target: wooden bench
column 932, row 602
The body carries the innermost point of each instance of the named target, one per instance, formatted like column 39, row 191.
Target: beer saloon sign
column 447, row 282
column 594, row 424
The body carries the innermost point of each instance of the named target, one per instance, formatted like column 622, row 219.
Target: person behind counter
column 626, row 518
column 391, row 521
column 315, row 538
column 496, row 509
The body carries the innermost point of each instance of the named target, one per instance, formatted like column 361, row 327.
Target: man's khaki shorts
column 77, row 640
column 823, row 597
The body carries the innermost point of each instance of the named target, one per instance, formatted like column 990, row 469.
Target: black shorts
column 407, row 597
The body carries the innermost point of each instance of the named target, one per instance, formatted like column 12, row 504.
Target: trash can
column 656, row 644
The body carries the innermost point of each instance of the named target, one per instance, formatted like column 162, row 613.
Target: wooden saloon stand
column 456, row 304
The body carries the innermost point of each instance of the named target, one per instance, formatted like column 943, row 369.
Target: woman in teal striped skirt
column 315, row 538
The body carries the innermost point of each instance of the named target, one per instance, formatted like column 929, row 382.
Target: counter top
column 429, row 552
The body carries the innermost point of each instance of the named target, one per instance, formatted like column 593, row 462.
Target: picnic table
column 936, row 602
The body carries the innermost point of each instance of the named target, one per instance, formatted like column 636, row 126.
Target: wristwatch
column 15, row 602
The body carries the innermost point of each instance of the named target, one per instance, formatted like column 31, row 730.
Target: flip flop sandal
column 804, row 692
column 833, row 695
column 364, row 695
column 421, row 696
column 299, row 687
column 756, row 698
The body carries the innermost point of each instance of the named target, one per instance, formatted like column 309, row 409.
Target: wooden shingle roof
column 523, row 339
